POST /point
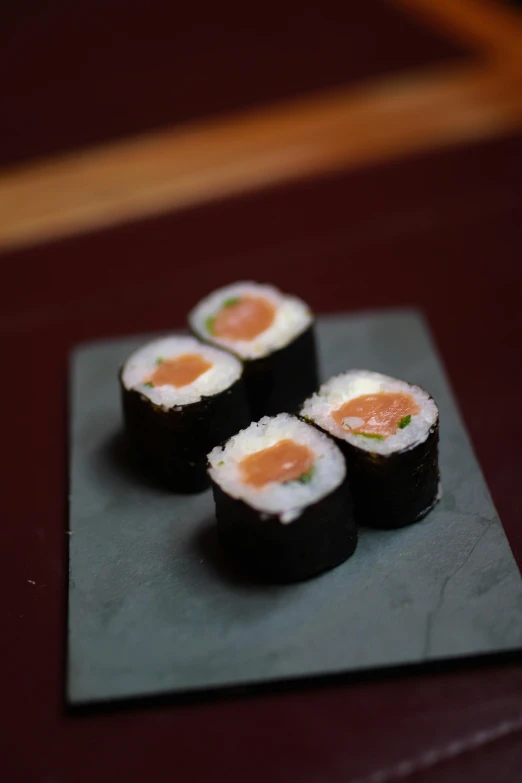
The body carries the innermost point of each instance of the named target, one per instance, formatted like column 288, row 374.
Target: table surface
column 131, row 70
column 441, row 232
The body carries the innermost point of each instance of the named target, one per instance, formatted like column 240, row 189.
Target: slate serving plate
column 155, row 608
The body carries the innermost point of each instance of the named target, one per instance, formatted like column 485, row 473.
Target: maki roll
column 283, row 504
column 389, row 433
column 180, row 398
column 272, row 333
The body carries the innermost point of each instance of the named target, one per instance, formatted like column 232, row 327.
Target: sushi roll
column 272, row 333
column 180, row 398
column 389, row 433
column 283, row 504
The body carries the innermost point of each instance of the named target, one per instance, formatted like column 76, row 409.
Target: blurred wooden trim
column 174, row 169
column 491, row 26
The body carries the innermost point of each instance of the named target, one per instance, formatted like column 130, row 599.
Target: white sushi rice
column 288, row 500
column 225, row 371
column 343, row 388
column 292, row 317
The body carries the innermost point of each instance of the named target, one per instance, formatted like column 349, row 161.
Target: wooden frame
column 173, row 169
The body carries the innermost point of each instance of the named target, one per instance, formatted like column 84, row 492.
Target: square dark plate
column 155, row 609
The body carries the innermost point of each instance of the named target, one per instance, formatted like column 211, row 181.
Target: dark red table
column 441, row 231
column 75, row 74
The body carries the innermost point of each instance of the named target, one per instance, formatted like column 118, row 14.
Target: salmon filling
column 243, row 318
column 283, row 462
column 376, row 415
column 180, row 371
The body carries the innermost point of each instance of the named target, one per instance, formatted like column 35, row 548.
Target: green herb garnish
column 232, row 300
column 160, row 360
column 209, row 323
column 221, row 462
column 305, row 478
column 404, row 422
column 373, row 435
column 149, row 384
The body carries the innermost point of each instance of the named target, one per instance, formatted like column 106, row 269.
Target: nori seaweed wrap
column 388, row 431
column 283, row 504
column 272, row 333
column 180, row 398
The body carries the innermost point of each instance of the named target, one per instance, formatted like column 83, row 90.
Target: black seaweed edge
column 268, row 548
column 360, row 461
column 260, row 370
column 177, row 473
column 280, row 381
